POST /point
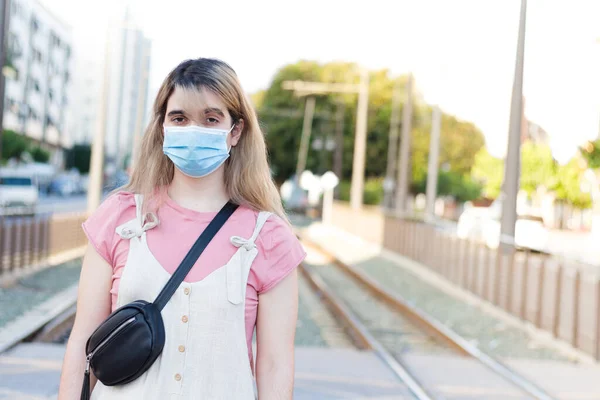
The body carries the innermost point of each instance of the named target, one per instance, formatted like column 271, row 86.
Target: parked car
column 483, row 223
column 64, row 186
column 18, row 194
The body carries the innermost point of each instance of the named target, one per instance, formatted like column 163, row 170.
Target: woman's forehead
column 195, row 100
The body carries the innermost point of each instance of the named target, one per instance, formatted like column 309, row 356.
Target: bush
column 372, row 191
column 462, row 187
column 13, row 145
column 79, row 157
column 40, row 155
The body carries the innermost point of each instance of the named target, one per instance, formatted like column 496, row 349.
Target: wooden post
column 404, row 166
column 510, row 280
column 309, row 110
column 557, row 300
column 540, row 300
column 360, row 143
column 498, row 275
column 524, row 284
column 28, row 242
column 486, row 273
column 597, row 320
column 338, row 155
column 432, row 167
column 576, row 299
column 392, row 147
column 18, row 246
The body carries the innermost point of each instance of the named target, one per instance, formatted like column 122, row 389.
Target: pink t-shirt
column 279, row 251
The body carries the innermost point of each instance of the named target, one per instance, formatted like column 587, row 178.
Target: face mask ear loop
column 227, row 134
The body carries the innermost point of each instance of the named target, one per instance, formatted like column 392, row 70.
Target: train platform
column 329, row 366
column 31, row 371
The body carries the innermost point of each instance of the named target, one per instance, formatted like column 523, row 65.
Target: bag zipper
column 88, row 358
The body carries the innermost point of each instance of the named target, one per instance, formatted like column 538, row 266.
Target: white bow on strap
column 134, row 229
column 239, row 241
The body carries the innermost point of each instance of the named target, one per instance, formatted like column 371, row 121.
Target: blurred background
column 76, row 70
column 477, row 119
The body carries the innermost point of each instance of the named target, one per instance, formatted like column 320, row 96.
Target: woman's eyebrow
column 175, row 112
column 214, row 110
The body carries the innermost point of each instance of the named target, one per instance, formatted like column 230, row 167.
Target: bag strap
column 192, row 256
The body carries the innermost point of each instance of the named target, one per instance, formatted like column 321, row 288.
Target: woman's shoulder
column 273, row 224
column 100, row 227
column 116, row 204
column 115, row 210
column 279, row 253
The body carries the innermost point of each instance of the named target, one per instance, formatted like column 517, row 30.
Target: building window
column 37, row 55
column 50, row 94
column 16, row 9
column 35, row 25
column 33, row 115
column 14, row 47
column 33, row 84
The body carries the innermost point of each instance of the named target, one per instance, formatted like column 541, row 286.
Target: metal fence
column 26, row 242
column 555, row 294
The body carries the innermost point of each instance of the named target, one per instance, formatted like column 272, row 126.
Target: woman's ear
column 236, row 133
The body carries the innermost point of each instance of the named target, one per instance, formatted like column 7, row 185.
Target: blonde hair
column 247, row 174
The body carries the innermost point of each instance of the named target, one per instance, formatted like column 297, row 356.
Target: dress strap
column 237, row 268
column 138, row 226
column 139, row 202
column 249, row 244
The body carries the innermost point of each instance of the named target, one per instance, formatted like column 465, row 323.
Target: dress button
column 186, row 291
column 177, row 377
column 184, row 319
column 181, row 349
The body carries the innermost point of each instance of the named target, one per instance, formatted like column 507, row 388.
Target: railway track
column 394, row 332
column 397, row 330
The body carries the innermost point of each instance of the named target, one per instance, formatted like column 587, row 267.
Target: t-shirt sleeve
column 283, row 252
column 101, row 225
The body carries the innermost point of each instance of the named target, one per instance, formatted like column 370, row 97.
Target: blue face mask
column 195, row 150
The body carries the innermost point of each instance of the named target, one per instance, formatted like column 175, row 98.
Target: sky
column 462, row 52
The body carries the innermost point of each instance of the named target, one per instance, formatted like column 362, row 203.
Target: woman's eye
column 212, row 120
column 178, row 120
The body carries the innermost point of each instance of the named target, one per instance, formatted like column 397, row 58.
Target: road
column 57, row 204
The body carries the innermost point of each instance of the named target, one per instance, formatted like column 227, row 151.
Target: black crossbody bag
column 128, row 342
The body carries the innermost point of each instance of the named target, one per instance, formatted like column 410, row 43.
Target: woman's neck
column 204, row 194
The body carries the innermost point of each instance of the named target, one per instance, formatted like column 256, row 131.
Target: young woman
column 202, row 148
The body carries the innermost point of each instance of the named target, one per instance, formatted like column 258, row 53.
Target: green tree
column 489, row 171
column 537, row 167
column 451, row 183
column 13, row 145
column 460, row 140
column 591, row 153
column 79, row 157
column 40, row 155
column 569, row 178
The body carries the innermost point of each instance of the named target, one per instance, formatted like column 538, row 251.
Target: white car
column 18, row 194
column 480, row 223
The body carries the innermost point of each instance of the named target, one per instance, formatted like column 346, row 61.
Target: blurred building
column 87, row 89
column 129, row 64
column 38, row 84
column 532, row 132
column 536, row 134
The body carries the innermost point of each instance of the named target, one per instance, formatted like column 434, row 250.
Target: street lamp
column 512, row 168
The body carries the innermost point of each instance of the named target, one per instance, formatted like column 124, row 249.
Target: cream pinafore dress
column 205, row 354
